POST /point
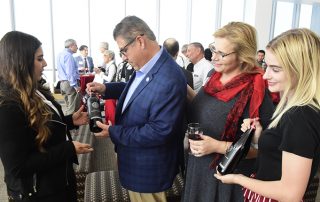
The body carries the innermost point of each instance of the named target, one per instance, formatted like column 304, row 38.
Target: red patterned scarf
column 251, row 88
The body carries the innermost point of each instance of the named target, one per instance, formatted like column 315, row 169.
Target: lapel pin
column 147, row 79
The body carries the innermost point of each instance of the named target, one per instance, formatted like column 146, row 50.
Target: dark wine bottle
column 235, row 153
column 93, row 107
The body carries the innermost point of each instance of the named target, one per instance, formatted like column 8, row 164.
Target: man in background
column 182, row 59
column 201, row 66
column 172, row 46
column 260, row 58
column 85, row 62
column 103, row 47
column 68, row 75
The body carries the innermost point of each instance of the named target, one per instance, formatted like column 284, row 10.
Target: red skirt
column 250, row 196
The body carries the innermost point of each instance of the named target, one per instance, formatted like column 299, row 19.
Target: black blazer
column 50, row 171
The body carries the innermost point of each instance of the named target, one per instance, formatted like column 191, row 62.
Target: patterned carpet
column 3, row 192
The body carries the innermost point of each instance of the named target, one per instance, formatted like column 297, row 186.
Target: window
column 203, row 21
column 146, row 10
column 70, row 21
column 231, row 11
column 250, row 12
column 173, row 21
column 37, row 23
column 305, row 16
column 283, row 20
column 103, row 19
column 5, row 25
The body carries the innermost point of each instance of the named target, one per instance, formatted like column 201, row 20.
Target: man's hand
column 80, row 118
column 105, row 129
column 95, row 87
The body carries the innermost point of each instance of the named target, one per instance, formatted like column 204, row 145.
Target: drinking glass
column 193, row 132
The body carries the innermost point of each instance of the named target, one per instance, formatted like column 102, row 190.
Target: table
column 84, row 79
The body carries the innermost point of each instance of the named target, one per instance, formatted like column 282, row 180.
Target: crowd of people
column 156, row 91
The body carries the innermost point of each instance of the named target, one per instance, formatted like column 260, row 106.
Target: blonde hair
column 298, row 53
column 243, row 37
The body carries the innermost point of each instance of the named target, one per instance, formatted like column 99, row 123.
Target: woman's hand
column 204, row 146
column 82, row 148
column 80, row 118
column 255, row 123
column 227, row 179
column 96, row 70
column 190, row 94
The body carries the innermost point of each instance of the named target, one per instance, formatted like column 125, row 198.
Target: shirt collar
column 148, row 66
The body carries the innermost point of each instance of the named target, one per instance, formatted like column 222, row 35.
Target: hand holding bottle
column 95, row 87
column 255, row 123
column 104, row 128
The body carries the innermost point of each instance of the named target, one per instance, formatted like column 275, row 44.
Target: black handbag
column 235, row 153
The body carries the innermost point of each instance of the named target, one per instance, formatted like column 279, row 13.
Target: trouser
column 71, row 97
column 147, row 197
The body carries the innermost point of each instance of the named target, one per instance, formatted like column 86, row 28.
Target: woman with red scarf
column 235, row 91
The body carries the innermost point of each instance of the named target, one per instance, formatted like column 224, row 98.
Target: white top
column 182, row 60
column 49, row 103
column 111, row 69
column 200, row 72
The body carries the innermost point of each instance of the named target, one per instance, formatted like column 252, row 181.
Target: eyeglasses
column 124, row 49
column 220, row 54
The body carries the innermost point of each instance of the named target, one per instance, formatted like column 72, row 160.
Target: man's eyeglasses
column 220, row 54
column 124, row 49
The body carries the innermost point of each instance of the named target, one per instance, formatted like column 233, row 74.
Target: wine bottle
column 93, row 107
column 235, row 153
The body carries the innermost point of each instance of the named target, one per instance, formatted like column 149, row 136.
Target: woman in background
column 289, row 149
column 235, row 91
column 36, row 148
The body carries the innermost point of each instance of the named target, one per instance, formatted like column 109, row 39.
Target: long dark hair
column 18, row 82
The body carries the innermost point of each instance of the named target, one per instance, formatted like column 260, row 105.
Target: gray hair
column 131, row 27
column 69, row 42
column 109, row 52
column 184, row 48
column 197, row 45
column 104, row 45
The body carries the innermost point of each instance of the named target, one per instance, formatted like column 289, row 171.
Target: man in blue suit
column 147, row 133
column 84, row 62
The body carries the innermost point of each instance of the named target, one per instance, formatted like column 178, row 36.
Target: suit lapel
column 123, row 96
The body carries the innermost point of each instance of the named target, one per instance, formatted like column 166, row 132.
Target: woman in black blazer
column 36, row 148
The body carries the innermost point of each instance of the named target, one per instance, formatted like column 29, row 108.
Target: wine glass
column 193, row 132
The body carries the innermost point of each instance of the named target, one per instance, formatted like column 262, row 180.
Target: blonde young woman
column 289, row 149
column 235, row 91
